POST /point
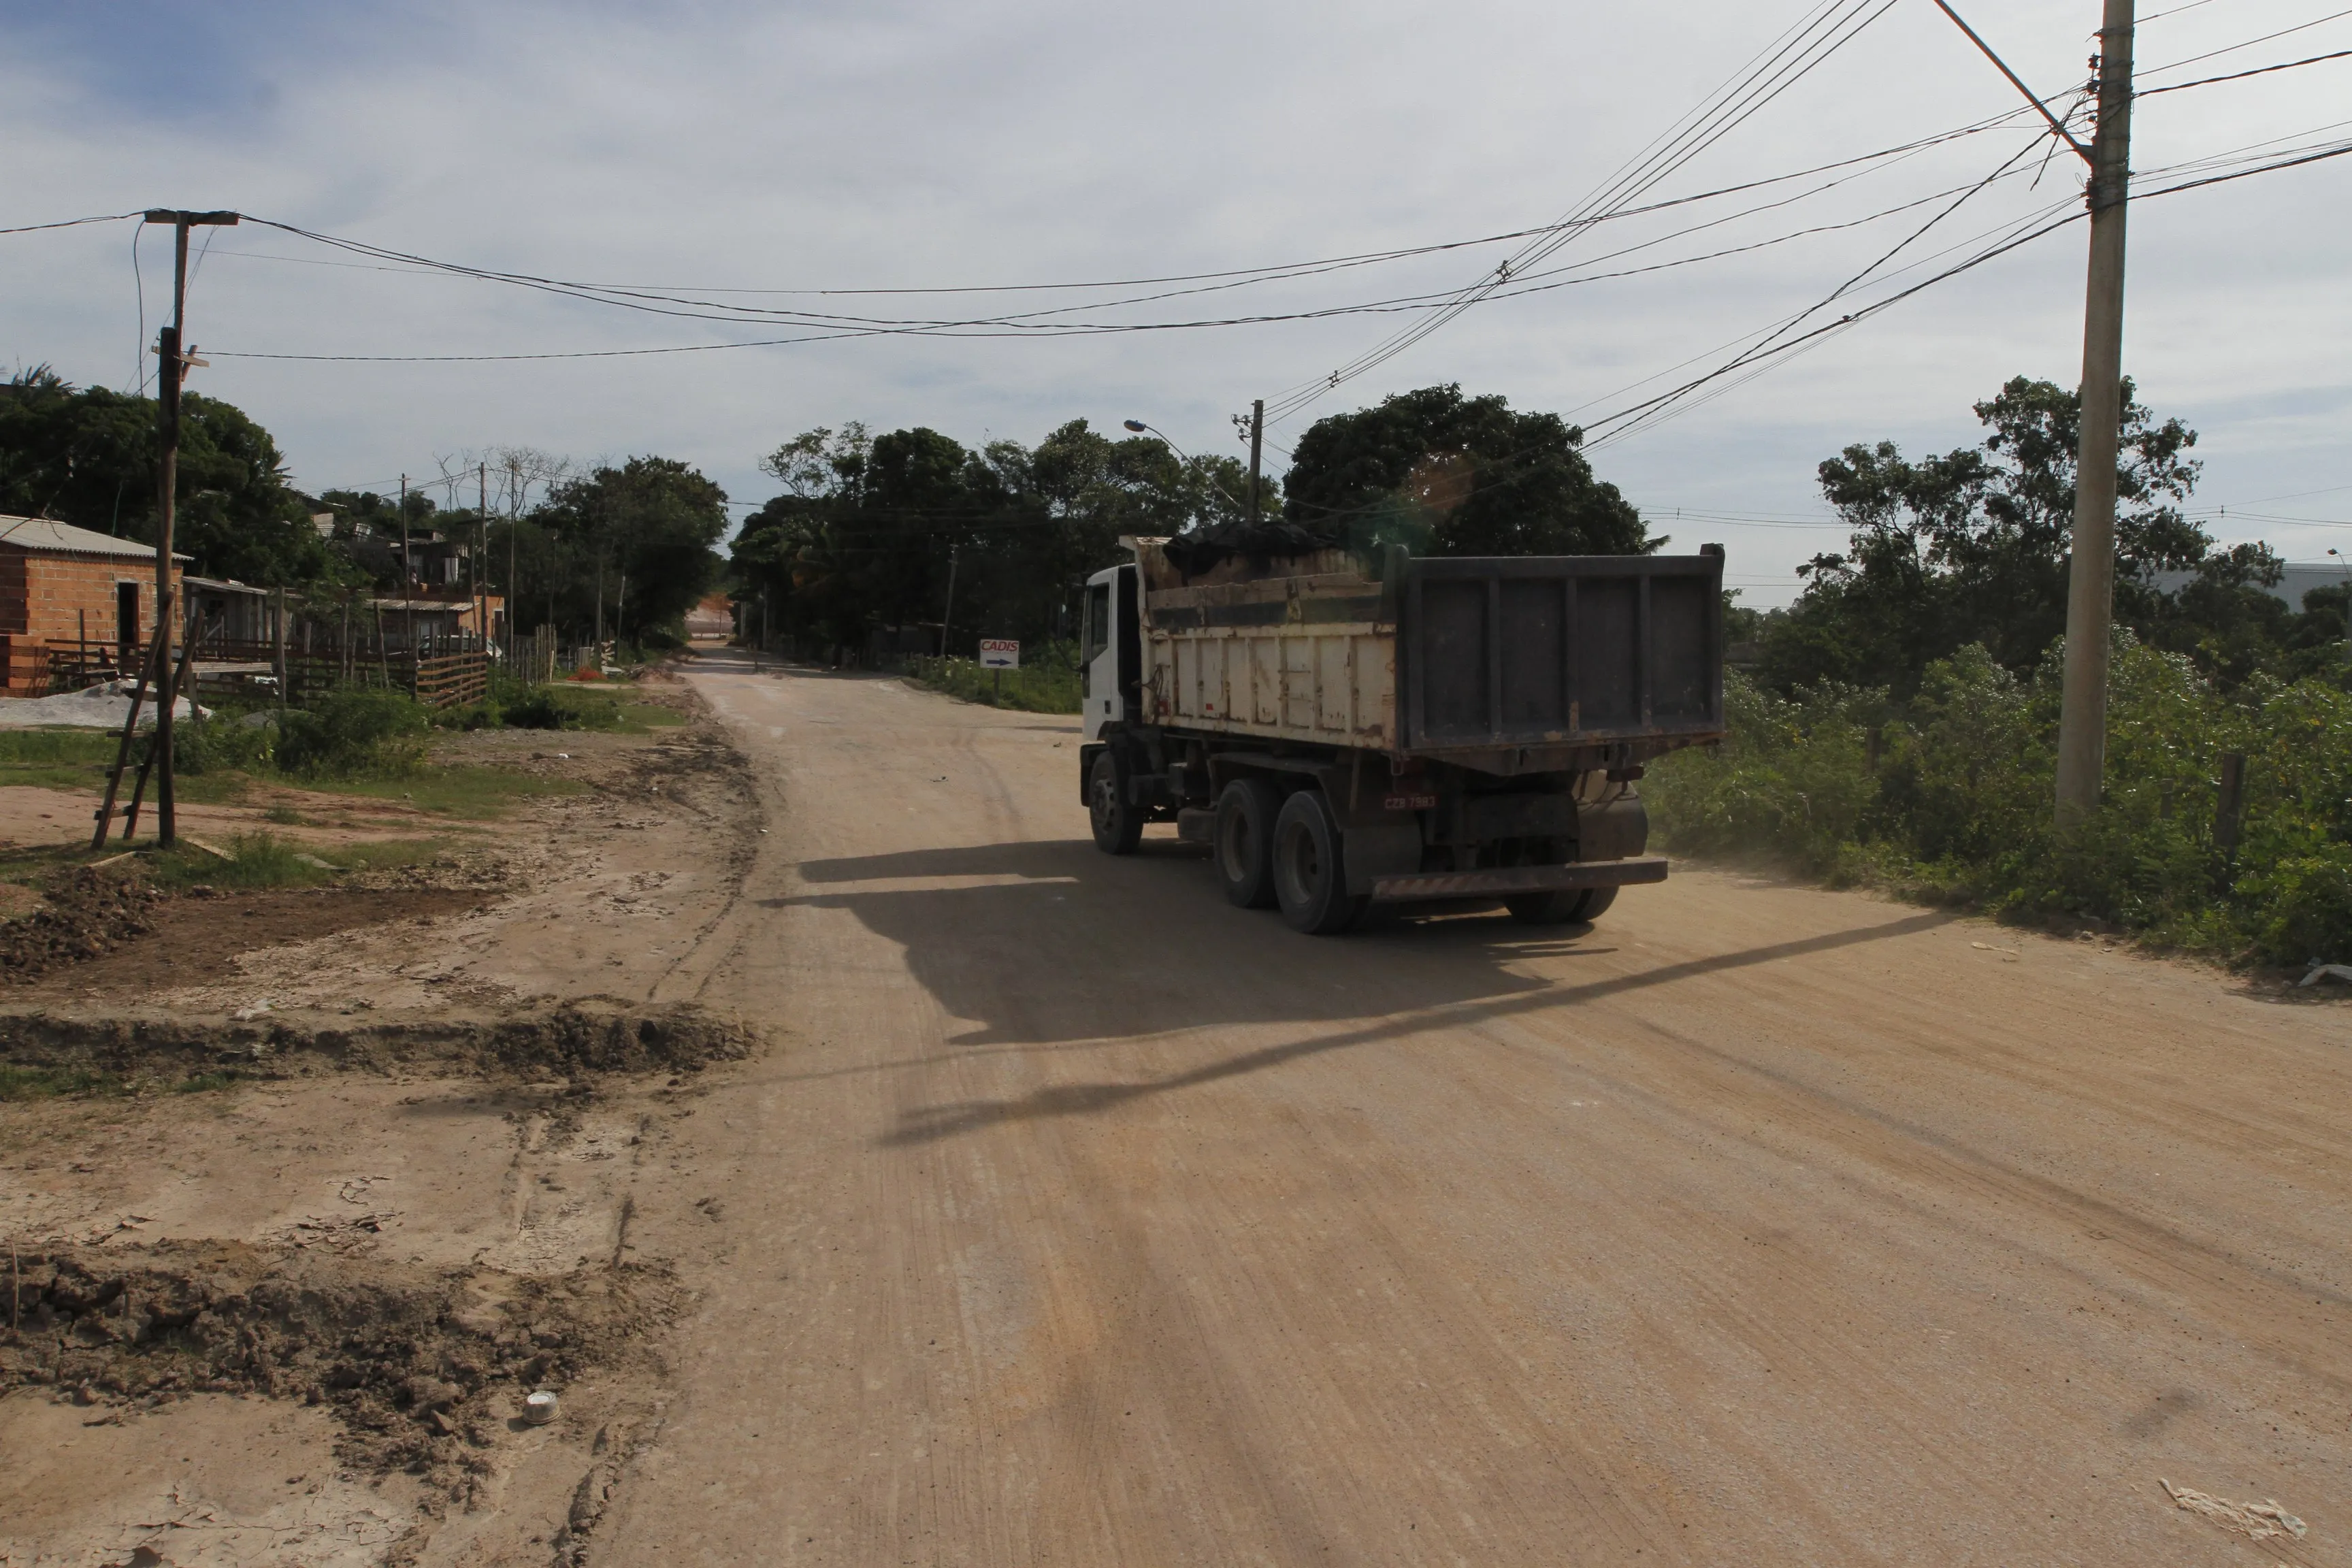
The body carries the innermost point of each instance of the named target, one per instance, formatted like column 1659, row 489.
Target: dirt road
column 1081, row 1218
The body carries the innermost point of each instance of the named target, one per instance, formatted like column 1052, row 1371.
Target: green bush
column 350, row 733
column 226, row 742
column 1049, row 682
column 1960, row 802
column 537, row 709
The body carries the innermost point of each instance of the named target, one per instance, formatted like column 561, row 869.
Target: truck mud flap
column 1508, row 881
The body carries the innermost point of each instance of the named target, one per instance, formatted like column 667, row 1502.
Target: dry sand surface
column 1064, row 1213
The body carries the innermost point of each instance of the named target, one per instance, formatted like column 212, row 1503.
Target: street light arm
column 1139, row 426
column 2056, row 123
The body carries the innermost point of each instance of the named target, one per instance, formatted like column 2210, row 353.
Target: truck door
column 1096, row 655
column 1111, row 648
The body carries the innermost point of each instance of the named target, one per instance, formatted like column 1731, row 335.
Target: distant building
column 2295, row 581
column 78, row 593
column 713, row 620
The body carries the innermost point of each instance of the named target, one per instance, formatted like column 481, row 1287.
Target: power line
column 1786, row 60
column 1654, row 409
column 834, row 322
column 1389, row 305
column 2248, row 43
column 73, row 222
column 2240, row 76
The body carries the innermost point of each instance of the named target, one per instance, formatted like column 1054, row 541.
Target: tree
column 88, row 458
column 650, row 526
column 869, row 527
column 1973, row 547
column 1449, row 474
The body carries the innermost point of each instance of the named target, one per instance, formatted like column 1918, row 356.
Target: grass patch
column 19, row 1083
column 259, row 860
column 1052, row 687
column 643, row 718
column 566, row 706
column 56, row 759
column 470, row 794
column 49, row 1083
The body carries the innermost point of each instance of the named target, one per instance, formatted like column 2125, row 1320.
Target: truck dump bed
column 1506, row 665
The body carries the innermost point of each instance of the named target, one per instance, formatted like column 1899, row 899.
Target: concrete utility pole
column 173, row 369
column 947, row 616
column 408, row 570
column 2090, row 576
column 1257, row 442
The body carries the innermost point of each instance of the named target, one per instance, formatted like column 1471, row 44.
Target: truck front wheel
column 1117, row 821
column 1561, row 909
column 1310, row 874
column 1245, row 841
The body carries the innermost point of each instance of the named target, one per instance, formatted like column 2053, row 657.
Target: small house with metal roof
column 72, row 599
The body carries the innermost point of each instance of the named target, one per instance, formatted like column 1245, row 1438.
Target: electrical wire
column 1389, row 305
column 1272, row 272
column 2247, row 43
column 73, row 222
column 2240, row 76
column 709, row 309
column 1883, row 159
column 1797, row 51
column 1653, row 409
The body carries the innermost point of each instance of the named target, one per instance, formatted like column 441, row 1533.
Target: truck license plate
column 1409, row 803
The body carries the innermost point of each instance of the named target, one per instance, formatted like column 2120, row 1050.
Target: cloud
column 897, row 145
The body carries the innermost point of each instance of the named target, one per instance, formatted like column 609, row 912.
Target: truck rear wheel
column 1244, row 842
column 1562, row 908
column 1310, row 873
column 1117, row 821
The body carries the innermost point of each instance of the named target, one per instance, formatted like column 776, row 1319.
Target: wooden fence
column 451, row 679
column 441, row 671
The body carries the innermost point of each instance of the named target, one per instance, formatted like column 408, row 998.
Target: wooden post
column 171, row 699
column 147, row 672
column 2229, row 807
column 281, row 654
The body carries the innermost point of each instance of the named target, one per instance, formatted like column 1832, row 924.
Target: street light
column 1140, row 428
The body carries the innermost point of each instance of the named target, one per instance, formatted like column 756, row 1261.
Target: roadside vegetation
column 1049, row 680
column 20, row 1083
column 1898, row 724
column 354, row 742
column 252, row 861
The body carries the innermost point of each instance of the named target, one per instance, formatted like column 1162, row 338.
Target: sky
column 710, row 150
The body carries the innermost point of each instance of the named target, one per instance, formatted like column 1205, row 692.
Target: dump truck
column 1348, row 735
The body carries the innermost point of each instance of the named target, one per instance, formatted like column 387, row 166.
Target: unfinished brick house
column 60, row 585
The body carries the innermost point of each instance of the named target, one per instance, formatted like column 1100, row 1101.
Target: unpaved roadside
column 396, row 1197
column 1063, row 1214
column 1090, row 1220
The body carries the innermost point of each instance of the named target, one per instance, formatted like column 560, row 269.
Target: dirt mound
column 86, row 915
column 198, row 934
column 571, row 1040
column 421, row 1369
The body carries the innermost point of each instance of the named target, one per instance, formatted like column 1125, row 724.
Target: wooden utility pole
column 2091, row 575
column 173, row 369
column 1258, row 441
column 948, row 616
column 408, row 570
column 481, row 554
